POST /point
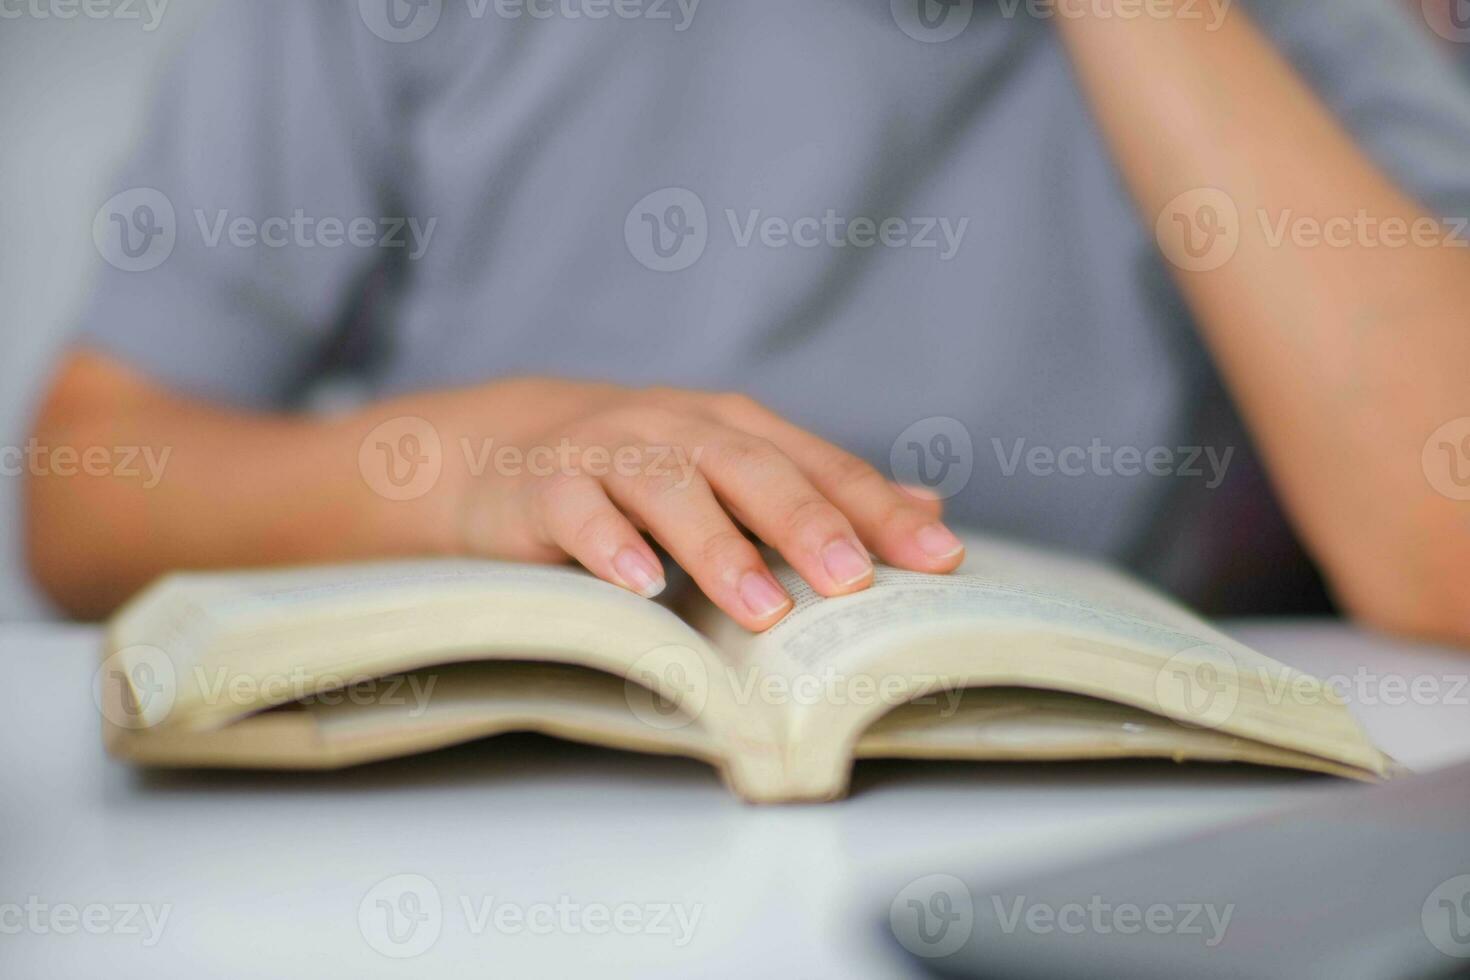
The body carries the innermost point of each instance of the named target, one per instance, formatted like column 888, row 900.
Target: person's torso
column 874, row 216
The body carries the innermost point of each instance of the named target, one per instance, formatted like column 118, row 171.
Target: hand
column 601, row 464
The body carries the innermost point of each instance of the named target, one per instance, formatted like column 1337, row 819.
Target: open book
column 1021, row 655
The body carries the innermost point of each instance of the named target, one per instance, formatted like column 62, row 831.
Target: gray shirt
column 895, row 223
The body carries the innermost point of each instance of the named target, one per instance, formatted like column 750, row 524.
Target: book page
column 197, row 654
column 998, row 584
column 430, row 708
column 226, row 645
column 1006, row 724
column 1014, row 616
column 460, row 702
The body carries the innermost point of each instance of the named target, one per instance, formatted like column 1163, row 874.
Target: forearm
column 1344, row 357
column 205, row 487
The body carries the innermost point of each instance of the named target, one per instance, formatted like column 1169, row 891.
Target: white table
column 263, row 875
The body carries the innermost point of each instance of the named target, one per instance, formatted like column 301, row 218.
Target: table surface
column 552, row 859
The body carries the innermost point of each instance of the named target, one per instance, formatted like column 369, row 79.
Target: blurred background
column 76, row 91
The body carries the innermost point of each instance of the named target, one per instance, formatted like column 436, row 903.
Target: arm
column 234, row 489
column 1344, row 360
column 530, row 470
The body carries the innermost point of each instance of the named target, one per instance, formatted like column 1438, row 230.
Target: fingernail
column 845, row 564
column 638, row 573
column 938, row 541
column 761, row 596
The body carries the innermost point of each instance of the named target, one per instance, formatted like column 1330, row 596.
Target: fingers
column 822, row 508
column 576, row 516
column 768, row 493
column 686, row 518
column 903, row 530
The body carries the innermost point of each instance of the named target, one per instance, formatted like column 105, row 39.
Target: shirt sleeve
column 234, row 244
column 1393, row 85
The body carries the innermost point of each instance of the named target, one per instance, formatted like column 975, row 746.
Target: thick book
column 1021, row 655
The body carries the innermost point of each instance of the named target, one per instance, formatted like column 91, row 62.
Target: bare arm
column 1345, row 358
column 227, row 488
column 529, row 469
